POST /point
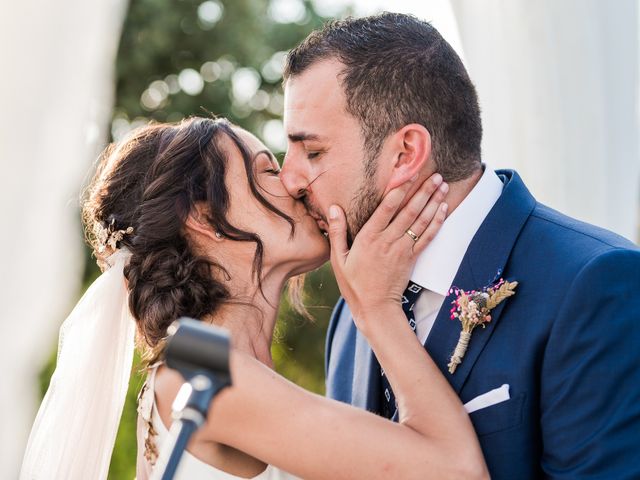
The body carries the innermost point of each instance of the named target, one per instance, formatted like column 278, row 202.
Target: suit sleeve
column 590, row 385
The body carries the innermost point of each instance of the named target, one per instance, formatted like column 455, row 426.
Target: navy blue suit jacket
column 567, row 344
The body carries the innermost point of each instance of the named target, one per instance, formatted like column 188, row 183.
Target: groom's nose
column 293, row 178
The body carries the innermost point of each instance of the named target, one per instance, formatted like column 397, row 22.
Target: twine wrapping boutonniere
column 473, row 308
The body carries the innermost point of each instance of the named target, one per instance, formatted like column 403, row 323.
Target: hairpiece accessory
column 109, row 237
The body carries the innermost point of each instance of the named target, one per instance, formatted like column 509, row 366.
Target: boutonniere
column 474, row 309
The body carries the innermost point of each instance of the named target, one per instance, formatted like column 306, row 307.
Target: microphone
column 200, row 352
column 195, row 347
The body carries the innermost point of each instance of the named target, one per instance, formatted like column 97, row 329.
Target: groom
column 371, row 102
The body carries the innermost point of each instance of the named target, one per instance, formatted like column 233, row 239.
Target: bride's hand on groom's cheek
column 374, row 273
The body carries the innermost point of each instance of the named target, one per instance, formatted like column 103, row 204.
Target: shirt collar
column 438, row 264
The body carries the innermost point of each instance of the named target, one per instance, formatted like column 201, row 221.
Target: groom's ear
column 411, row 150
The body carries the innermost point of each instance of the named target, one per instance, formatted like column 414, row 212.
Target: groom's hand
column 374, row 273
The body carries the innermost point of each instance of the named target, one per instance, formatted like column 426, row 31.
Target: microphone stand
column 189, row 412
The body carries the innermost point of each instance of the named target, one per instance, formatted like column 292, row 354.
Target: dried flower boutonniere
column 473, row 308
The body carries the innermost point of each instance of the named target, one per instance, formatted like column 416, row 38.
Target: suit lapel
column 445, row 332
column 366, row 376
column 357, row 365
column 484, row 260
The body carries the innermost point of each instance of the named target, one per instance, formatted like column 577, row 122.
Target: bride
column 192, row 220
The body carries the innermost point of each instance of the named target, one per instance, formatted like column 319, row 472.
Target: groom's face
column 325, row 159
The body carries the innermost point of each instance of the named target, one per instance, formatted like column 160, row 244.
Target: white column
column 56, row 95
column 558, row 84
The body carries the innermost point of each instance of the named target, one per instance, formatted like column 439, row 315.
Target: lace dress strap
column 145, row 412
column 191, row 467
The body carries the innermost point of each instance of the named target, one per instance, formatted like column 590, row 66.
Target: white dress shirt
column 437, row 266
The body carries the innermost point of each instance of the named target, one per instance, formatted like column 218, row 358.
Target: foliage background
column 192, row 57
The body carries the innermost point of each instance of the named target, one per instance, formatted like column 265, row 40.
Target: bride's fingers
column 432, row 229
column 387, row 209
column 338, row 236
column 420, row 225
column 415, row 214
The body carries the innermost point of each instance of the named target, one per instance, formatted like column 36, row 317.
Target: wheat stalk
column 506, row 290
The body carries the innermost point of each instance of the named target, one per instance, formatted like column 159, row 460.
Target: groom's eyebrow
column 304, row 137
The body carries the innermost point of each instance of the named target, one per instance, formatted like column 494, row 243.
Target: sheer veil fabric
column 75, row 428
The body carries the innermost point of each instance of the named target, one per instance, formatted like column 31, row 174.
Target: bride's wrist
column 379, row 319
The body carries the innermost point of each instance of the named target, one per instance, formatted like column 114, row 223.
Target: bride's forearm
column 426, row 402
column 314, row 437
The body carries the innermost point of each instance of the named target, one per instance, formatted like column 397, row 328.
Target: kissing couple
column 479, row 333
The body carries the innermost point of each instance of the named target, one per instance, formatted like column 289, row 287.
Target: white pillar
column 56, row 95
column 558, row 84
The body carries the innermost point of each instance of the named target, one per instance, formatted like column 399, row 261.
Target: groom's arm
column 590, row 386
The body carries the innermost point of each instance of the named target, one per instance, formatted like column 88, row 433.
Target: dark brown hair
column 151, row 182
column 399, row 70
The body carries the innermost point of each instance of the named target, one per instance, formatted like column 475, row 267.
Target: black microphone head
column 195, row 346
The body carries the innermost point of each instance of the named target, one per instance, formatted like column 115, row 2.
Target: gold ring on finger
column 413, row 236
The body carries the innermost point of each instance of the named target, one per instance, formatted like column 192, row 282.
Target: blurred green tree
column 195, row 57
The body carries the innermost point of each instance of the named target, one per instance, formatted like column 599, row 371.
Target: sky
column 438, row 12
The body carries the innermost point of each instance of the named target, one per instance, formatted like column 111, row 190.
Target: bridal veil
column 75, row 428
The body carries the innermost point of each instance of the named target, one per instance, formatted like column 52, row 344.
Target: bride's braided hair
column 151, row 181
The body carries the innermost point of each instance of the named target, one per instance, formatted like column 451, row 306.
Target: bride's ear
column 411, row 147
column 197, row 223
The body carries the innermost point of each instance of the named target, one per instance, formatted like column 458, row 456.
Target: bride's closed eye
column 265, row 162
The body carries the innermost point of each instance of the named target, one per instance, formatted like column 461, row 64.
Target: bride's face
column 307, row 248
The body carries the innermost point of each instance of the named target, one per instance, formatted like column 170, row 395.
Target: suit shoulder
column 589, row 237
column 553, row 245
column 613, row 267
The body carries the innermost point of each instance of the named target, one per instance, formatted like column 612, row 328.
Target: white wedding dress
column 151, row 431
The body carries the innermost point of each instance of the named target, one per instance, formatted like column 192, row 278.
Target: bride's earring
column 218, row 235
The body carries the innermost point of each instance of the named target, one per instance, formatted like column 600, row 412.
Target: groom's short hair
column 399, row 70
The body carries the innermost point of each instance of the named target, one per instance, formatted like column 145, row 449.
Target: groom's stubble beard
column 364, row 202
column 362, row 205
